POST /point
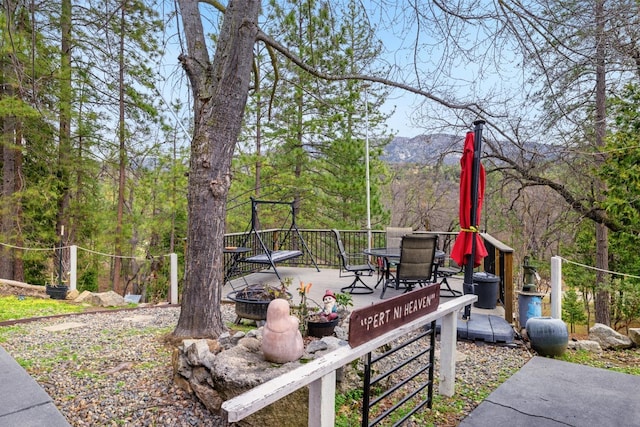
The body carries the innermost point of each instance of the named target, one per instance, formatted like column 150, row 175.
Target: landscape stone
column 586, row 345
column 634, row 336
column 72, row 294
column 609, row 338
column 102, row 299
column 315, row 346
column 83, row 297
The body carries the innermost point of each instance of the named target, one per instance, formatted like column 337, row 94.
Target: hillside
column 424, row 149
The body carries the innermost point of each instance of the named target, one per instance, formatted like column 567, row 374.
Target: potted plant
column 56, row 291
column 252, row 301
column 321, row 321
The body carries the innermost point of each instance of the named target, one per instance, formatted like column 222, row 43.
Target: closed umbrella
column 469, row 249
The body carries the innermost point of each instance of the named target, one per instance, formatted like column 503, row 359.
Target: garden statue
column 281, row 337
column 330, row 310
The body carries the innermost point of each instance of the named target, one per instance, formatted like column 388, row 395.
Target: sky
column 402, row 105
column 398, row 38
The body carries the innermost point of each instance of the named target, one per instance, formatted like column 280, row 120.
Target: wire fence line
column 57, row 248
column 615, row 273
column 71, row 268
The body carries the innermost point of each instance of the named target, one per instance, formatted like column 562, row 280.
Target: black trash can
column 486, row 288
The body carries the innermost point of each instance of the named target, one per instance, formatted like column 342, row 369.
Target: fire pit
column 252, row 301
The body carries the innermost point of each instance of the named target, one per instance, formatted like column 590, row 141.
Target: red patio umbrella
column 468, row 249
column 463, row 246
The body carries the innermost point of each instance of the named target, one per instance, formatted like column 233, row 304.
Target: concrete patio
column 486, row 325
column 330, row 279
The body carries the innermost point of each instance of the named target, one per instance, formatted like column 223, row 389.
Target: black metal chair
column 393, row 237
column 417, row 254
column 353, row 270
column 444, row 273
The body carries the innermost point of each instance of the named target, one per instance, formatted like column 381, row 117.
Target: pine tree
column 572, row 309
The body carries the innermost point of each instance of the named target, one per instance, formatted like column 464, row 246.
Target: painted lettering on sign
column 372, row 321
column 376, row 320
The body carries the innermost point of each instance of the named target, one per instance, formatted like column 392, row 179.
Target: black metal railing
column 412, row 387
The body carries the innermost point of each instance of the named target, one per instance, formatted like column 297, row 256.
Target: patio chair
column 353, row 270
column 393, row 239
column 444, row 273
column 417, row 254
column 394, row 235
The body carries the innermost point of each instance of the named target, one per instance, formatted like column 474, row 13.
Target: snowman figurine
column 330, row 307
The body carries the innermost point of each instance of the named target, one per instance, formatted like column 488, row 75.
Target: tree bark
column 220, row 94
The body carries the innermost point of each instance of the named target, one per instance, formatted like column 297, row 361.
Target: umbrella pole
column 467, row 286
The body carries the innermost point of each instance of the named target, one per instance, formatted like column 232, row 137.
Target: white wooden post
column 322, row 397
column 73, row 267
column 173, row 291
column 556, row 287
column 448, row 335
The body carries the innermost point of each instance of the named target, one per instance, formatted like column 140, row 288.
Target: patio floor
column 486, row 325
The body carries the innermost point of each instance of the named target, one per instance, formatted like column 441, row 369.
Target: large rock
column 216, row 376
column 609, row 338
column 634, row 335
column 586, row 345
column 216, row 371
column 73, row 294
column 102, row 299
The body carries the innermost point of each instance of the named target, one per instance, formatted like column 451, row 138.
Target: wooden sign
column 372, row 321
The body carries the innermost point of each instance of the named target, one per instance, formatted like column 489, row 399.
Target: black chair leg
column 357, row 287
column 452, row 292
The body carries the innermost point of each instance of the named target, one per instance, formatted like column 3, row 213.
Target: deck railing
column 320, row 374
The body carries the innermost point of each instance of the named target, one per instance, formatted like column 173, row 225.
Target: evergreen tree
column 572, row 309
column 309, row 134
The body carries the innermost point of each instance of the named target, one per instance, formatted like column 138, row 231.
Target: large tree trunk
column 220, row 94
column 9, row 164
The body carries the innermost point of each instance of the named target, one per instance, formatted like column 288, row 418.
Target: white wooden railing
column 320, row 374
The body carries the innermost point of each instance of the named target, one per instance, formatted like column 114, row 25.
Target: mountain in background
column 425, row 149
column 447, row 150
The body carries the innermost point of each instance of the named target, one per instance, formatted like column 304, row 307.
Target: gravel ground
column 114, row 369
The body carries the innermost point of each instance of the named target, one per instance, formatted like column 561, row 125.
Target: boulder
column 84, row 297
column 634, row 336
column 608, row 338
column 586, row 345
column 73, row 294
column 216, row 376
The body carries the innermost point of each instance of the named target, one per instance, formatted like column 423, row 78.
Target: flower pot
column 57, row 292
column 321, row 329
column 548, row 336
